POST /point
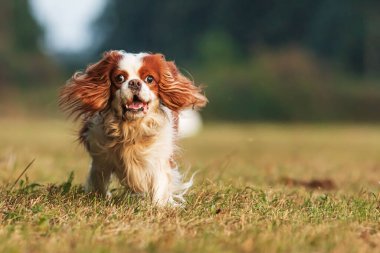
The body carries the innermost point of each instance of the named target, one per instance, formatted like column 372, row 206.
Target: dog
column 129, row 107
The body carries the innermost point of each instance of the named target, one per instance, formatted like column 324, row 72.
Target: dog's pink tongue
column 136, row 105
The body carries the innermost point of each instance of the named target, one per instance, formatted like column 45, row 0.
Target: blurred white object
column 66, row 21
column 190, row 123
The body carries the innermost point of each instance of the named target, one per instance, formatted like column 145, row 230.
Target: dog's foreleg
column 98, row 179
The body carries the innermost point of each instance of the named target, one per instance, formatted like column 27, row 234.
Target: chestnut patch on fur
column 176, row 91
column 89, row 92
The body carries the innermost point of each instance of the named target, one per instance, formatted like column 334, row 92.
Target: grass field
column 254, row 192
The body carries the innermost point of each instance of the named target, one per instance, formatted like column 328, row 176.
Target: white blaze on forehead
column 131, row 63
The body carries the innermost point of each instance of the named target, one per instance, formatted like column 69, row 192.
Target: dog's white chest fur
column 139, row 153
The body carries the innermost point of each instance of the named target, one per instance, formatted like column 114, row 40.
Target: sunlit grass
column 238, row 204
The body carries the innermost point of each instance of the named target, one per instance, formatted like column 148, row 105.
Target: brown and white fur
column 129, row 105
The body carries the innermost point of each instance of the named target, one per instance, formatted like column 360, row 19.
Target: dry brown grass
column 239, row 202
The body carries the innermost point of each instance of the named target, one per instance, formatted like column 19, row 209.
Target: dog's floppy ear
column 89, row 91
column 177, row 92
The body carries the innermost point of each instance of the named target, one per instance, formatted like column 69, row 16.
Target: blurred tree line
column 262, row 60
column 344, row 31
column 24, row 70
column 259, row 60
column 21, row 61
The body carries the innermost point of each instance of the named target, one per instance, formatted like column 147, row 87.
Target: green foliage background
column 259, row 60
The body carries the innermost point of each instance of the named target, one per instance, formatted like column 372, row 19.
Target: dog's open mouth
column 136, row 105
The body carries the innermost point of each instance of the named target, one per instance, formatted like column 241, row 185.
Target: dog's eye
column 119, row 78
column 149, row 79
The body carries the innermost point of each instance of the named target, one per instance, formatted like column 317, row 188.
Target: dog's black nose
column 134, row 85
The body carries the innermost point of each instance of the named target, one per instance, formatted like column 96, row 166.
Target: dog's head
column 132, row 85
